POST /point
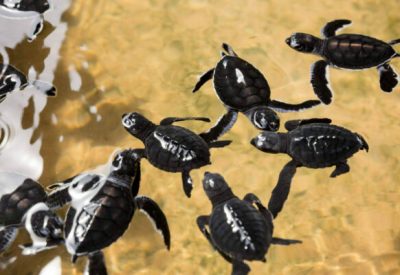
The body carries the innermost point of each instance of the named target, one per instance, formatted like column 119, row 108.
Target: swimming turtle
column 312, row 143
column 101, row 208
column 238, row 230
column 243, row 88
column 22, row 204
column 26, row 6
column 171, row 148
column 12, row 79
column 347, row 51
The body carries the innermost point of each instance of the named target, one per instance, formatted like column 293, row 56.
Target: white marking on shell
column 211, row 183
column 225, row 63
column 237, row 227
column 172, row 146
column 239, row 76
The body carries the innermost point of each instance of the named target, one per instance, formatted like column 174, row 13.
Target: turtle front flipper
column 170, row 120
column 320, row 82
column 286, row 107
column 223, row 125
column 156, row 216
column 280, row 241
column 394, row 42
column 240, row 268
column 332, row 27
column 203, row 79
column 96, row 264
column 282, row 188
column 7, row 237
column 293, row 124
column 341, row 168
column 253, row 199
column 202, row 222
column 45, row 87
column 229, row 49
column 187, row 183
column 388, row 78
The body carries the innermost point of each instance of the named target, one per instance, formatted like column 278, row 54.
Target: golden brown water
column 145, row 56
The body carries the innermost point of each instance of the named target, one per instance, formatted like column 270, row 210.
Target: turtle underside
column 240, row 230
column 101, row 221
column 175, row 149
column 239, row 84
column 322, row 145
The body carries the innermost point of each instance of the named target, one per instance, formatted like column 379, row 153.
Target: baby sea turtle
column 26, row 6
column 238, row 230
column 312, row 143
column 347, row 51
column 242, row 88
column 171, row 148
column 101, row 208
column 22, row 204
column 12, row 79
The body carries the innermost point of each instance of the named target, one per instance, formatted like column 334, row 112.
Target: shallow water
column 111, row 57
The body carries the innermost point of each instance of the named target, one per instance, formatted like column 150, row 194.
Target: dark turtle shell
column 39, row 6
column 240, row 230
column 101, row 221
column 322, row 145
column 239, row 85
column 176, row 149
column 14, row 205
column 355, row 51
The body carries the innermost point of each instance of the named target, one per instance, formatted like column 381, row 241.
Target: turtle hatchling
column 312, row 143
column 347, row 51
column 243, row 88
column 236, row 228
column 12, row 79
column 22, row 204
column 101, row 209
column 21, row 8
column 171, row 148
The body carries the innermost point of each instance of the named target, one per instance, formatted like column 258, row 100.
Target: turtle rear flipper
column 203, row 79
column 229, row 49
column 394, row 42
column 156, row 216
column 282, row 188
column 223, row 125
column 286, row 107
column 170, row 120
column 96, row 264
column 388, row 78
column 332, row 27
column 219, row 143
column 341, row 168
column 280, row 241
column 240, row 268
column 320, row 82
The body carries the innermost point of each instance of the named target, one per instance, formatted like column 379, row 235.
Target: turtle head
column 303, row 42
column 137, row 125
column 44, row 222
column 125, row 163
column 264, row 118
column 267, row 142
column 11, row 79
column 214, row 185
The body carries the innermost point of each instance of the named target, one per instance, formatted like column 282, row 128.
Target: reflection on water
column 120, row 56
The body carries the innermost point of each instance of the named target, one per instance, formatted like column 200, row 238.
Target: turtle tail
column 364, row 144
